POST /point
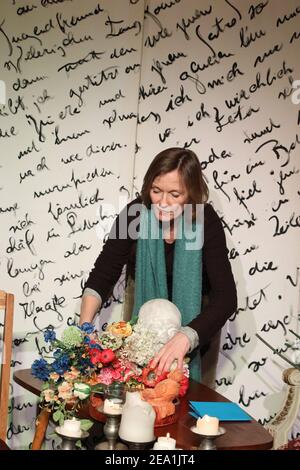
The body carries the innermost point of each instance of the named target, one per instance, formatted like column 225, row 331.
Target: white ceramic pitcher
column 137, row 421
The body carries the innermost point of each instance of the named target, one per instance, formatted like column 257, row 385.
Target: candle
column 113, row 406
column 71, row 427
column 165, row 443
column 208, row 425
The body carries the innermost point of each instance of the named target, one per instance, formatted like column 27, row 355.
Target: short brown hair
column 189, row 168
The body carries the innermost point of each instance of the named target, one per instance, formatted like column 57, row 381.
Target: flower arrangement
column 84, row 362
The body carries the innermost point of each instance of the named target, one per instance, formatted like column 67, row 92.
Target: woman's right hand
column 175, row 349
column 89, row 307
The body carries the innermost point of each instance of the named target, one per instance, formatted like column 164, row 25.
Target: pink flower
column 106, row 375
column 127, row 374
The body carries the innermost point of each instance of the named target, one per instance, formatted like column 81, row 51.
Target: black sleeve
column 115, row 253
column 222, row 295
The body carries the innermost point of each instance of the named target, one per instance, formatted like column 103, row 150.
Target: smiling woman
column 173, row 245
column 168, row 195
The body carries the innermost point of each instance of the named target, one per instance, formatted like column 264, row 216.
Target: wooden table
column 240, row 435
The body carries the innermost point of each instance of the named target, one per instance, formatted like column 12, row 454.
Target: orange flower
column 54, row 376
column 65, row 391
column 120, row 328
column 49, row 395
column 72, row 374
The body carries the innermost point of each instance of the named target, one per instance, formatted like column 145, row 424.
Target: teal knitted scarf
column 151, row 277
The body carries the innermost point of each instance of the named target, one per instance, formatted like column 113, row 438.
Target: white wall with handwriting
column 93, row 91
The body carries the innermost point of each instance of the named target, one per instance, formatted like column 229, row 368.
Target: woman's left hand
column 175, row 348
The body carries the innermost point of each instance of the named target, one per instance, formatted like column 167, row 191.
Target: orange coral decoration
column 161, row 397
column 96, row 401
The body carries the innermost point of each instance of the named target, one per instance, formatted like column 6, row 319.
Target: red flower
column 95, row 356
column 116, row 364
column 150, row 377
column 184, row 385
column 107, row 356
column 117, row 374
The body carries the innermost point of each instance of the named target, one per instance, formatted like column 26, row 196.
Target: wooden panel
column 6, row 302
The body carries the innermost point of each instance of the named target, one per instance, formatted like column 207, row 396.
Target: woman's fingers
column 157, row 358
column 165, row 363
column 175, row 349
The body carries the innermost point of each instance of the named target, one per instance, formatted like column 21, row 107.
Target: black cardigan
column 218, row 281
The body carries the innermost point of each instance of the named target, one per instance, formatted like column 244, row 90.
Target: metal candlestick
column 69, row 442
column 208, row 441
column 111, row 430
column 114, row 392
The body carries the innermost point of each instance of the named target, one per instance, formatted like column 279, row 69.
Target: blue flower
column 84, row 364
column 61, row 364
column 87, row 327
column 39, row 369
column 49, row 335
column 57, row 353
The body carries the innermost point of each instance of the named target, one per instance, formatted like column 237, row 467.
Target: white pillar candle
column 208, row 425
column 113, row 406
column 165, row 443
column 71, row 427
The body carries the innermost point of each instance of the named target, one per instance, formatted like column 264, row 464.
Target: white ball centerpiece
column 162, row 317
column 158, row 321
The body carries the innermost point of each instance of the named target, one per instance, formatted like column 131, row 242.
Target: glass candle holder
column 114, row 398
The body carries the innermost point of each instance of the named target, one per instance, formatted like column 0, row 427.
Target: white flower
column 82, row 391
column 142, row 345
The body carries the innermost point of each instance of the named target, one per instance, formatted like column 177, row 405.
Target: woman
column 160, row 256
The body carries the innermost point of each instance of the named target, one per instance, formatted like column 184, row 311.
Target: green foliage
column 86, row 424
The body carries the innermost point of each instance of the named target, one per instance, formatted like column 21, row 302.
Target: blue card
column 224, row 411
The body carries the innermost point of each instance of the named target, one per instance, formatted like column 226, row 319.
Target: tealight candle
column 208, row 425
column 165, row 443
column 71, row 427
column 113, row 406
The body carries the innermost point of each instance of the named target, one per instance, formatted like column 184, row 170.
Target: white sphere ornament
column 160, row 316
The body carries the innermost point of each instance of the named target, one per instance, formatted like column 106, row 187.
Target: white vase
column 137, row 421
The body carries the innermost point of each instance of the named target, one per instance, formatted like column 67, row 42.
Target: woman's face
column 168, row 195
